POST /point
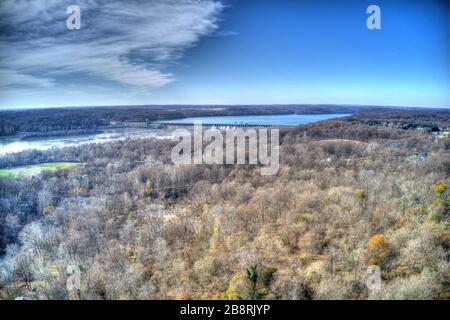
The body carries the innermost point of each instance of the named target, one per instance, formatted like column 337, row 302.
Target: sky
column 141, row 52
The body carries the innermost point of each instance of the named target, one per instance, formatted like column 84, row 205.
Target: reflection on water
column 11, row 145
column 275, row 120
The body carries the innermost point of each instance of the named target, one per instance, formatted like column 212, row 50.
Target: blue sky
column 224, row 52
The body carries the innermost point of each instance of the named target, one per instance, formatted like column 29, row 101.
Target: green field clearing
column 31, row 170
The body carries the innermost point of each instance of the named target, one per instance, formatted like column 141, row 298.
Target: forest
column 350, row 193
column 40, row 121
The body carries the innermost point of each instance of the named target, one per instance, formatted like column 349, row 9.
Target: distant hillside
column 406, row 118
column 93, row 118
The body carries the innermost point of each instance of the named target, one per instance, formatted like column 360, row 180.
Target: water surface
column 14, row 144
column 274, row 120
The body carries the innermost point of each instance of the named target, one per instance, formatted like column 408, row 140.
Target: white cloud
column 10, row 77
column 127, row 42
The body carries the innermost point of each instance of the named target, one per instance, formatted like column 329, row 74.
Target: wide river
column 14, row 144
column 274, row 120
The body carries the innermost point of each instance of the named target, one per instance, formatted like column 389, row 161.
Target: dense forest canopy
column 350, row 193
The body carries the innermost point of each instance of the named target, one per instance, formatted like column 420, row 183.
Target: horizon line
column 220, row 105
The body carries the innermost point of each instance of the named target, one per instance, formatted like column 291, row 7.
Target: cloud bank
column 128, row 43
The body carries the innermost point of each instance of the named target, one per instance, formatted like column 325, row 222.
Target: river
column 274, row 120
column 15, row 144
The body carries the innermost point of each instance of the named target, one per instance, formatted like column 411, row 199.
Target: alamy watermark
column 228, row 147
column 73, row 282
column 73, row 21
column 373, row 281
column 373, row 22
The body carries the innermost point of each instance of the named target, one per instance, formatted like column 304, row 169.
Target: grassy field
column 31, row 170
